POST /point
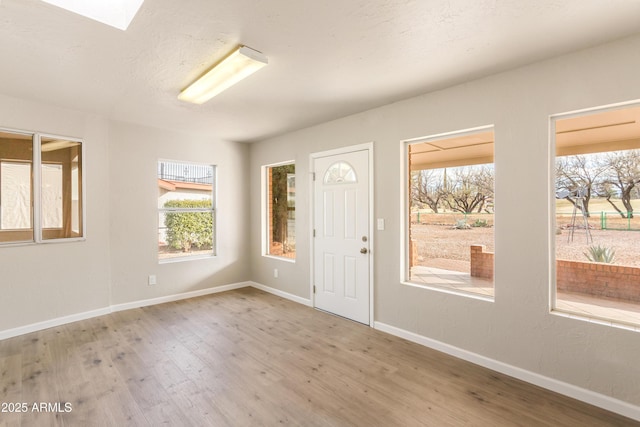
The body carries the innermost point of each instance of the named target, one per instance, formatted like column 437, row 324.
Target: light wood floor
column 245, row 358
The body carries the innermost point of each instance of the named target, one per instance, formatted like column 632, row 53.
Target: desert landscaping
column 442, row 245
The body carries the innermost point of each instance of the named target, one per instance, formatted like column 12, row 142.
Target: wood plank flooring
column 247, row 358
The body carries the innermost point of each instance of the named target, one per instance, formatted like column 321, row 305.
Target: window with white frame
column 449, row 212
column 596, row 199
column 280, row 213
column 41, row 188
column 186, row 210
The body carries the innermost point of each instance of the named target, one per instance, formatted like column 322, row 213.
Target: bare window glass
column 61, row 192
column 16, row 187
column 281, row 210
column 52, row 196
column 597, row 225
column 56, row 201
column 186, row 210
column 450, row 212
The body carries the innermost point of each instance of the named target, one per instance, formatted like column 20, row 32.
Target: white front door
column 341, row 228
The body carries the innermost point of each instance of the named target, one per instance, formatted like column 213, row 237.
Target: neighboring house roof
column 180, row 185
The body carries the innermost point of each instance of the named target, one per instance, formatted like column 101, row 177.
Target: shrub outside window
column 449, row 212
column 596, row 223
column 281, row 210
column 186, row 206
column 41, row 195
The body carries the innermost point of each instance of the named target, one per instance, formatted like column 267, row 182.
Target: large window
column 186, row 206
column 449, row 212
column 596, row 203
column 40, row 195
column 280, row 230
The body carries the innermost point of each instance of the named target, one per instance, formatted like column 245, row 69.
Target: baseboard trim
column 178, row 297
column 588, row 396
column 283, row 294
column 34, row 327
column 584, row 395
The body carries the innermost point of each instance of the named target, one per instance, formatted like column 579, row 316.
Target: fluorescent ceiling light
column 116, row 13
column 241, row 63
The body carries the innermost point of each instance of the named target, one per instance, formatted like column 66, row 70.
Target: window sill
column 280, row 258
column 596, row 320
column 43, row 242
column 185, row 258
column 449, row 290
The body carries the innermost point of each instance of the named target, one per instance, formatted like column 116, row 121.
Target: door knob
column 363, row 251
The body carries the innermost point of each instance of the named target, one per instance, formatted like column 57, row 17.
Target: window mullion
column 37, row 189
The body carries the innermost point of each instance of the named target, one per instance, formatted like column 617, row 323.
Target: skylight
column 116, row 13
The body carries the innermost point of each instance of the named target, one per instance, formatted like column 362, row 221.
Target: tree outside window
column 281, row 210
column 451, row 206
column 597, row 229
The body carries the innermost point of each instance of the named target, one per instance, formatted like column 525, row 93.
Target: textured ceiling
column 327, row 59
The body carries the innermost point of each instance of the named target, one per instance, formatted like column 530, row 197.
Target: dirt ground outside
column 442, row 246
column 166, row 252
column 278, row 250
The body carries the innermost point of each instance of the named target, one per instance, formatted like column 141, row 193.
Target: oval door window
column 340, row 173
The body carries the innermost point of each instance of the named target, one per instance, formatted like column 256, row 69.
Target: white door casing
column 342, row 241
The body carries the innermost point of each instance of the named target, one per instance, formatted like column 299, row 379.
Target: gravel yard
column 443, row 247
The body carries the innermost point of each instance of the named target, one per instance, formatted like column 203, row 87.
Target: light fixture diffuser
column 240, row 64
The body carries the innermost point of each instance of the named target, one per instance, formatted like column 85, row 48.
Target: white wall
column 43, row 282
column 57, row 282
column 517, row 329
column 133, row 158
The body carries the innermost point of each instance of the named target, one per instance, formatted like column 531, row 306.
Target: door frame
column 368, row 147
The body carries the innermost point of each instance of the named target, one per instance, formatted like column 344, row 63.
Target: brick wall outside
column 413, row 253
column 481, row 262
column 598, row 279
column 590, row 278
